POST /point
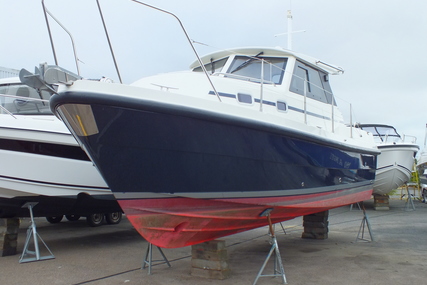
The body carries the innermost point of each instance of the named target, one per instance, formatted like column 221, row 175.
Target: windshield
column 214, row 66
column 383, row 133
column 250, row 68
column 21, row 99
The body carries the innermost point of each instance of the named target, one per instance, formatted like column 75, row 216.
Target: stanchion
column 32, row 232
column 278, row 265
column 148, row 261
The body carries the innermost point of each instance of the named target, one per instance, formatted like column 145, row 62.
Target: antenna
column 289, row 16
column 290, row 32
column 190, row 42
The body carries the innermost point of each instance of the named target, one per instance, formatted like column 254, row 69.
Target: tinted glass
column 213, row 67
column 312, row 81
column 244, row 98
column 250, row 68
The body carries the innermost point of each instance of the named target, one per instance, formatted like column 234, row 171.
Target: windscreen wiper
column 249, row 60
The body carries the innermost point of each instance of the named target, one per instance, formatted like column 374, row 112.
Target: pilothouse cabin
column 271, row 80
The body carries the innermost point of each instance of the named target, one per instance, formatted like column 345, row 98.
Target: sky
column 381, row 44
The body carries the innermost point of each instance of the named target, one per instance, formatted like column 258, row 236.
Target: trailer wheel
column 54, row 219
column 113, row 218
column 72, row 218
column 95, row 220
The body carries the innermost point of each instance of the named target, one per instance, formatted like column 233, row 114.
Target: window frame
column 255, row 76
column 244, row 96
column 315, row 77
column 278, row 103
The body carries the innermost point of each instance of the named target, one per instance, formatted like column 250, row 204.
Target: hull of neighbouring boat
column 51, row 206
column 184, row 176
column 395, row 164
column 422, row 166
column 42, row 162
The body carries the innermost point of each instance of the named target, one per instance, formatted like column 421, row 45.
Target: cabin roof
column 376, row 125
column 267, row 51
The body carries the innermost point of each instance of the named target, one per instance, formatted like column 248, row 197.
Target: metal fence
column 8, row 72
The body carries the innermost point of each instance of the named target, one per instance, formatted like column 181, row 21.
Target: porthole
column 281, row 106
column 244, row 98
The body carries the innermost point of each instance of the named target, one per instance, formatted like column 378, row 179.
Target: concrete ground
column 113, row 254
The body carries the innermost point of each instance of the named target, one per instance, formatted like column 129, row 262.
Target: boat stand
column 148, row 261
column 365, row 222
column 409, row 205
column 283, row 228
column 28, row 255
column 284, row 231
column 351, row 206
column 278, row 265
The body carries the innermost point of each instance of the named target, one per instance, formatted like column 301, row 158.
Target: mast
column 289, row 16
column 290, row 31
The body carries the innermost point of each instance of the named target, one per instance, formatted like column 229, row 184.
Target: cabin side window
column 213, row 66
column 250, row 69
column 313, row 82
column 244, row 98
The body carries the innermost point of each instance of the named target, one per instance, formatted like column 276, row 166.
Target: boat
column 43, row 164
column 247, row 137
column 396, row 161
column 196, row 155
column 422, row 163
column 422, row 167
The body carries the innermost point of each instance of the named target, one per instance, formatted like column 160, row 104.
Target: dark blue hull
column 185, row 176
column 155, row 148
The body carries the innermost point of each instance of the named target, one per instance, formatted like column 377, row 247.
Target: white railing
column 47, row 12
column 412, row 139
column 242, row 77
column 8, row 72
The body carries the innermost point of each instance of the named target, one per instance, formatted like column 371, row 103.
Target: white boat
column 42, row 162
column 422, row 167
column 245, row 134
column 422, row 159
column 396, row 161
column 422, row 163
